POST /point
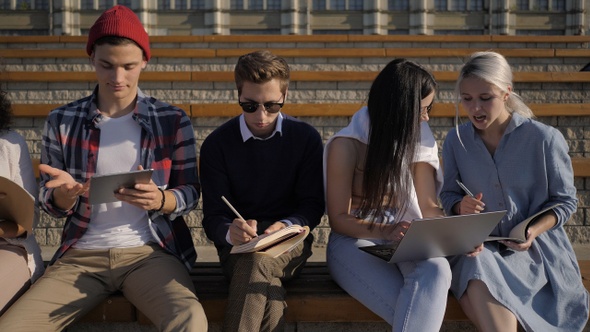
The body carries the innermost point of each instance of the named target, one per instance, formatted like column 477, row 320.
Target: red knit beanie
column 119, row 21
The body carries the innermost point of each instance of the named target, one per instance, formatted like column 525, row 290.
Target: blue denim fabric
column 410, row 296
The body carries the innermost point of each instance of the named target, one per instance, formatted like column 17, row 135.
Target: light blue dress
column 530, row 170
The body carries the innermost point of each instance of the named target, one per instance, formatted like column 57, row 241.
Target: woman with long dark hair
column 381, row 172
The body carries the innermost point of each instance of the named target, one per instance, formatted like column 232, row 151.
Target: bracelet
column 163, row 200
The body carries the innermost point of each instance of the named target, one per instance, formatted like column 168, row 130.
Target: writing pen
column 234, row 210
column 467, row 191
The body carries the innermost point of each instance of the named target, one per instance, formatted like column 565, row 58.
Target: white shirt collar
column 247, row 134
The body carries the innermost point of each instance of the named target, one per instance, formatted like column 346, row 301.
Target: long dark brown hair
column 394, row 136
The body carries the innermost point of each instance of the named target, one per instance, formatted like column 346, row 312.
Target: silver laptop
column 438, row 237
column 103, row 187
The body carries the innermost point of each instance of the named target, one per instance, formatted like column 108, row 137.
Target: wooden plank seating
column 313, row 297
column 323, row 109
column 296, row 76
column 425, row 52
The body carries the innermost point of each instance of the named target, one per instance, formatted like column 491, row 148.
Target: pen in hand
column 234, row 210
column 467, row 191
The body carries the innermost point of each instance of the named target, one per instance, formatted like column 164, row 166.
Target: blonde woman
column 511, row 162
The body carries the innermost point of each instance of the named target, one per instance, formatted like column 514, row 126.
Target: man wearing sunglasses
column 269, row 166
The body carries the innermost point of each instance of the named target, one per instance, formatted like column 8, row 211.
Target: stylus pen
column 464, row 188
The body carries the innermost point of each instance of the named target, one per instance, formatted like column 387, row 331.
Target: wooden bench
column 324, row 109
column 296, row 76
column 313, row 297
column 337, row 52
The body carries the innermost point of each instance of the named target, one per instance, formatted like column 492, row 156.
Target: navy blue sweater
column 279, row 178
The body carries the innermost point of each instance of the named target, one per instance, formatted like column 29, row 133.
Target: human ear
column 507, row 94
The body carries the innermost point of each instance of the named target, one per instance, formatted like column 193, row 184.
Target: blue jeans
column 410, row 296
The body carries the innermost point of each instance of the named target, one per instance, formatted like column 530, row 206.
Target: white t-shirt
column 118, row 224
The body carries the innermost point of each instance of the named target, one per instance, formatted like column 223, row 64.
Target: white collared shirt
column 247, row 134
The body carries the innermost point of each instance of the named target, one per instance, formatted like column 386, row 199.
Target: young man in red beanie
column 137, row 244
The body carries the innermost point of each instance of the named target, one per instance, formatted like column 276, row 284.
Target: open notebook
column 437, row 237
column 18, row 205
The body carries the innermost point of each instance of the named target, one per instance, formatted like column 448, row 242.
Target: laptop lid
column 438, row 237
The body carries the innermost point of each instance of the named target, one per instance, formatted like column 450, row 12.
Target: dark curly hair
column 5, row 111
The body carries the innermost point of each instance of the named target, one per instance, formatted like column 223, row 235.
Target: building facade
column 305, row 17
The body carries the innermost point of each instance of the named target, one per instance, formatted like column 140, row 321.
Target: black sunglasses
column 251, row 107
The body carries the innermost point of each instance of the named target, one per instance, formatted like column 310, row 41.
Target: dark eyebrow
column 103, row 61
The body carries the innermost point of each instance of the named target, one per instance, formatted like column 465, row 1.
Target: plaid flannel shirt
column 71, row 143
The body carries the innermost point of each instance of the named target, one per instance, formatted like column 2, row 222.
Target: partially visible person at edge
column 20, row 254
column 381, row 172
column 139, row 244
column 269, row 167
column 512, row 162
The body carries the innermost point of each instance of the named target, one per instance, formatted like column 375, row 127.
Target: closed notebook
column 18, row 205
column 274, row 244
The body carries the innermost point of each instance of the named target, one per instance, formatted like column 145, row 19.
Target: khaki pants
column 14, row 274
column 156, row 282
column 256, row 299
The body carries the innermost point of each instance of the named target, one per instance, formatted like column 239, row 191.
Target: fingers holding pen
column 472, row 204
column 242, row 231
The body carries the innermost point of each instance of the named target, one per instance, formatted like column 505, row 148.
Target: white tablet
column 103, row 187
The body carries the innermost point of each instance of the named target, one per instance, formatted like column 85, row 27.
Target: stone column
column 575, row 19
column 292, row 20
column 216, row 20
column 502, row 18
column 66, row 18
column 420, row 17
column 374, row 20
column 146, row 11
